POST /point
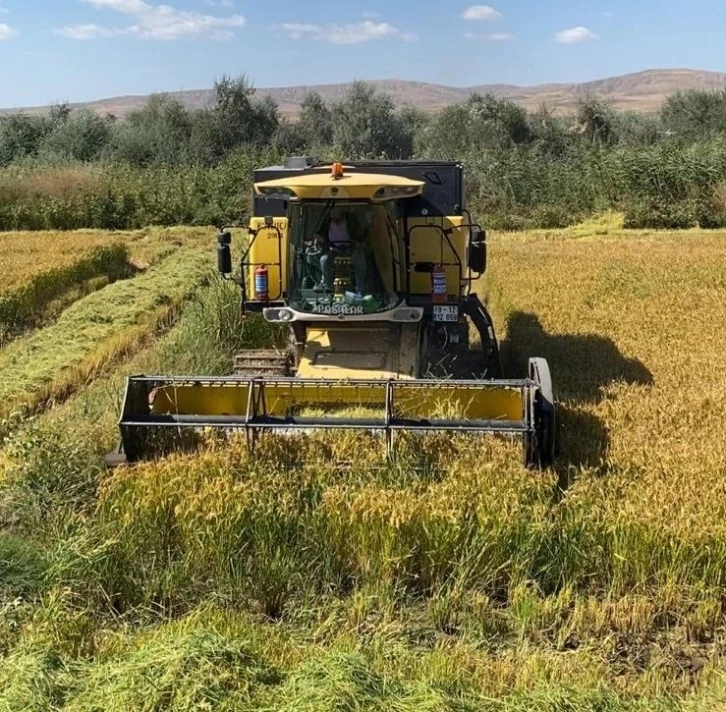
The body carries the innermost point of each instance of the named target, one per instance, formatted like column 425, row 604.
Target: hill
column 641, row 91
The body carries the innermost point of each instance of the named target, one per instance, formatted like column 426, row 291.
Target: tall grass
column 120, row 197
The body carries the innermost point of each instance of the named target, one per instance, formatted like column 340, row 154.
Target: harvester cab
column 371, row 265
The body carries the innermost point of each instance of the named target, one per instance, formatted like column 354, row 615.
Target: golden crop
column 452, row 565
column 632, row 327
column 24, row 255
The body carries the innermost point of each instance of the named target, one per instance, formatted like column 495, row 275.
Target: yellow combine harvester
column 372, row 266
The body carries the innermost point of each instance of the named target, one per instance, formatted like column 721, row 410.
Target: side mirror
column 224, row 253
column 478, row 251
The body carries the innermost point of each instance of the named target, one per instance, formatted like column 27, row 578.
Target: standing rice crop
column 95, row 331
column 447, row 579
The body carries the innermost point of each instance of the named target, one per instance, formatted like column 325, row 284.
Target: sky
column 80, row 50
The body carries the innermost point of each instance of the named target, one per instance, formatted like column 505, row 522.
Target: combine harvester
column 371, row 265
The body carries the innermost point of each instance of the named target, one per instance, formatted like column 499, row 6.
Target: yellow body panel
column 485, row 401
column 375, row 351
column 266, row 249
column 426, row 247
column 352, row 186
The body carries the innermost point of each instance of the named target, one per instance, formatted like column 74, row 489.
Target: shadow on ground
column 582, row 366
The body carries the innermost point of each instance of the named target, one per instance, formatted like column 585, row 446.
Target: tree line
column 167, row 163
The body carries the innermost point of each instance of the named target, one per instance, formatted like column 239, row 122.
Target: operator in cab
column 343, row 238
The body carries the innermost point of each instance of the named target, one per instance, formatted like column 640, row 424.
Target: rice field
column 44, row 272
column 25, row 255
column 95, row 330
column 449, row 579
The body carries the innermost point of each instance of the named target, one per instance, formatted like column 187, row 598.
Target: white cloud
column 220, row 3
column 493, row 37
column 156, row 22
column 7, row 32
column 371, row 15
column 295, row 30
column 128, row 7
column 345, row 34
column 609, row 14
column 481, row 12
column 500, row 37
column 86, row 32
column 575, row 34
column 4, row 11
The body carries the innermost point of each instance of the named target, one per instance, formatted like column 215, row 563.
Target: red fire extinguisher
column 438, row 284
column 262, row 281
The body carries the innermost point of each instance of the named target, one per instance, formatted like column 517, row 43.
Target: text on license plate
column 446, row 313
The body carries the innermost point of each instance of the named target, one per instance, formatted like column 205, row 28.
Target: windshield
column 345, row 258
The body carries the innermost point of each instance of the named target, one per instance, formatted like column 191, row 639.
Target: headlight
column 275, row 315
column 403, row 190
column 407, row 314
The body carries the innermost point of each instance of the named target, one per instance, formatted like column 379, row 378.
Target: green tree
column 81, row 136
column 288, row 139
column 695, row 114
column 366, row 125
column 315, row 121
column 549, row 132
column 480, row 123
column 235, row 119
column 238, row 118
column 158, row 133
column 20, row 136
column 595, row 121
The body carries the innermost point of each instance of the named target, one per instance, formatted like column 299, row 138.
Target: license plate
column 445, row 313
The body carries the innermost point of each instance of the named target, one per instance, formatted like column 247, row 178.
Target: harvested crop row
column 230, row 661
column 45, row 272
column 95, row 330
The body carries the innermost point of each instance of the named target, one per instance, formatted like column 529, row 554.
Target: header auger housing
column 371, row 265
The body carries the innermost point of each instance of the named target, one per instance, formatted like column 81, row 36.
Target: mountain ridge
column 639, row 91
